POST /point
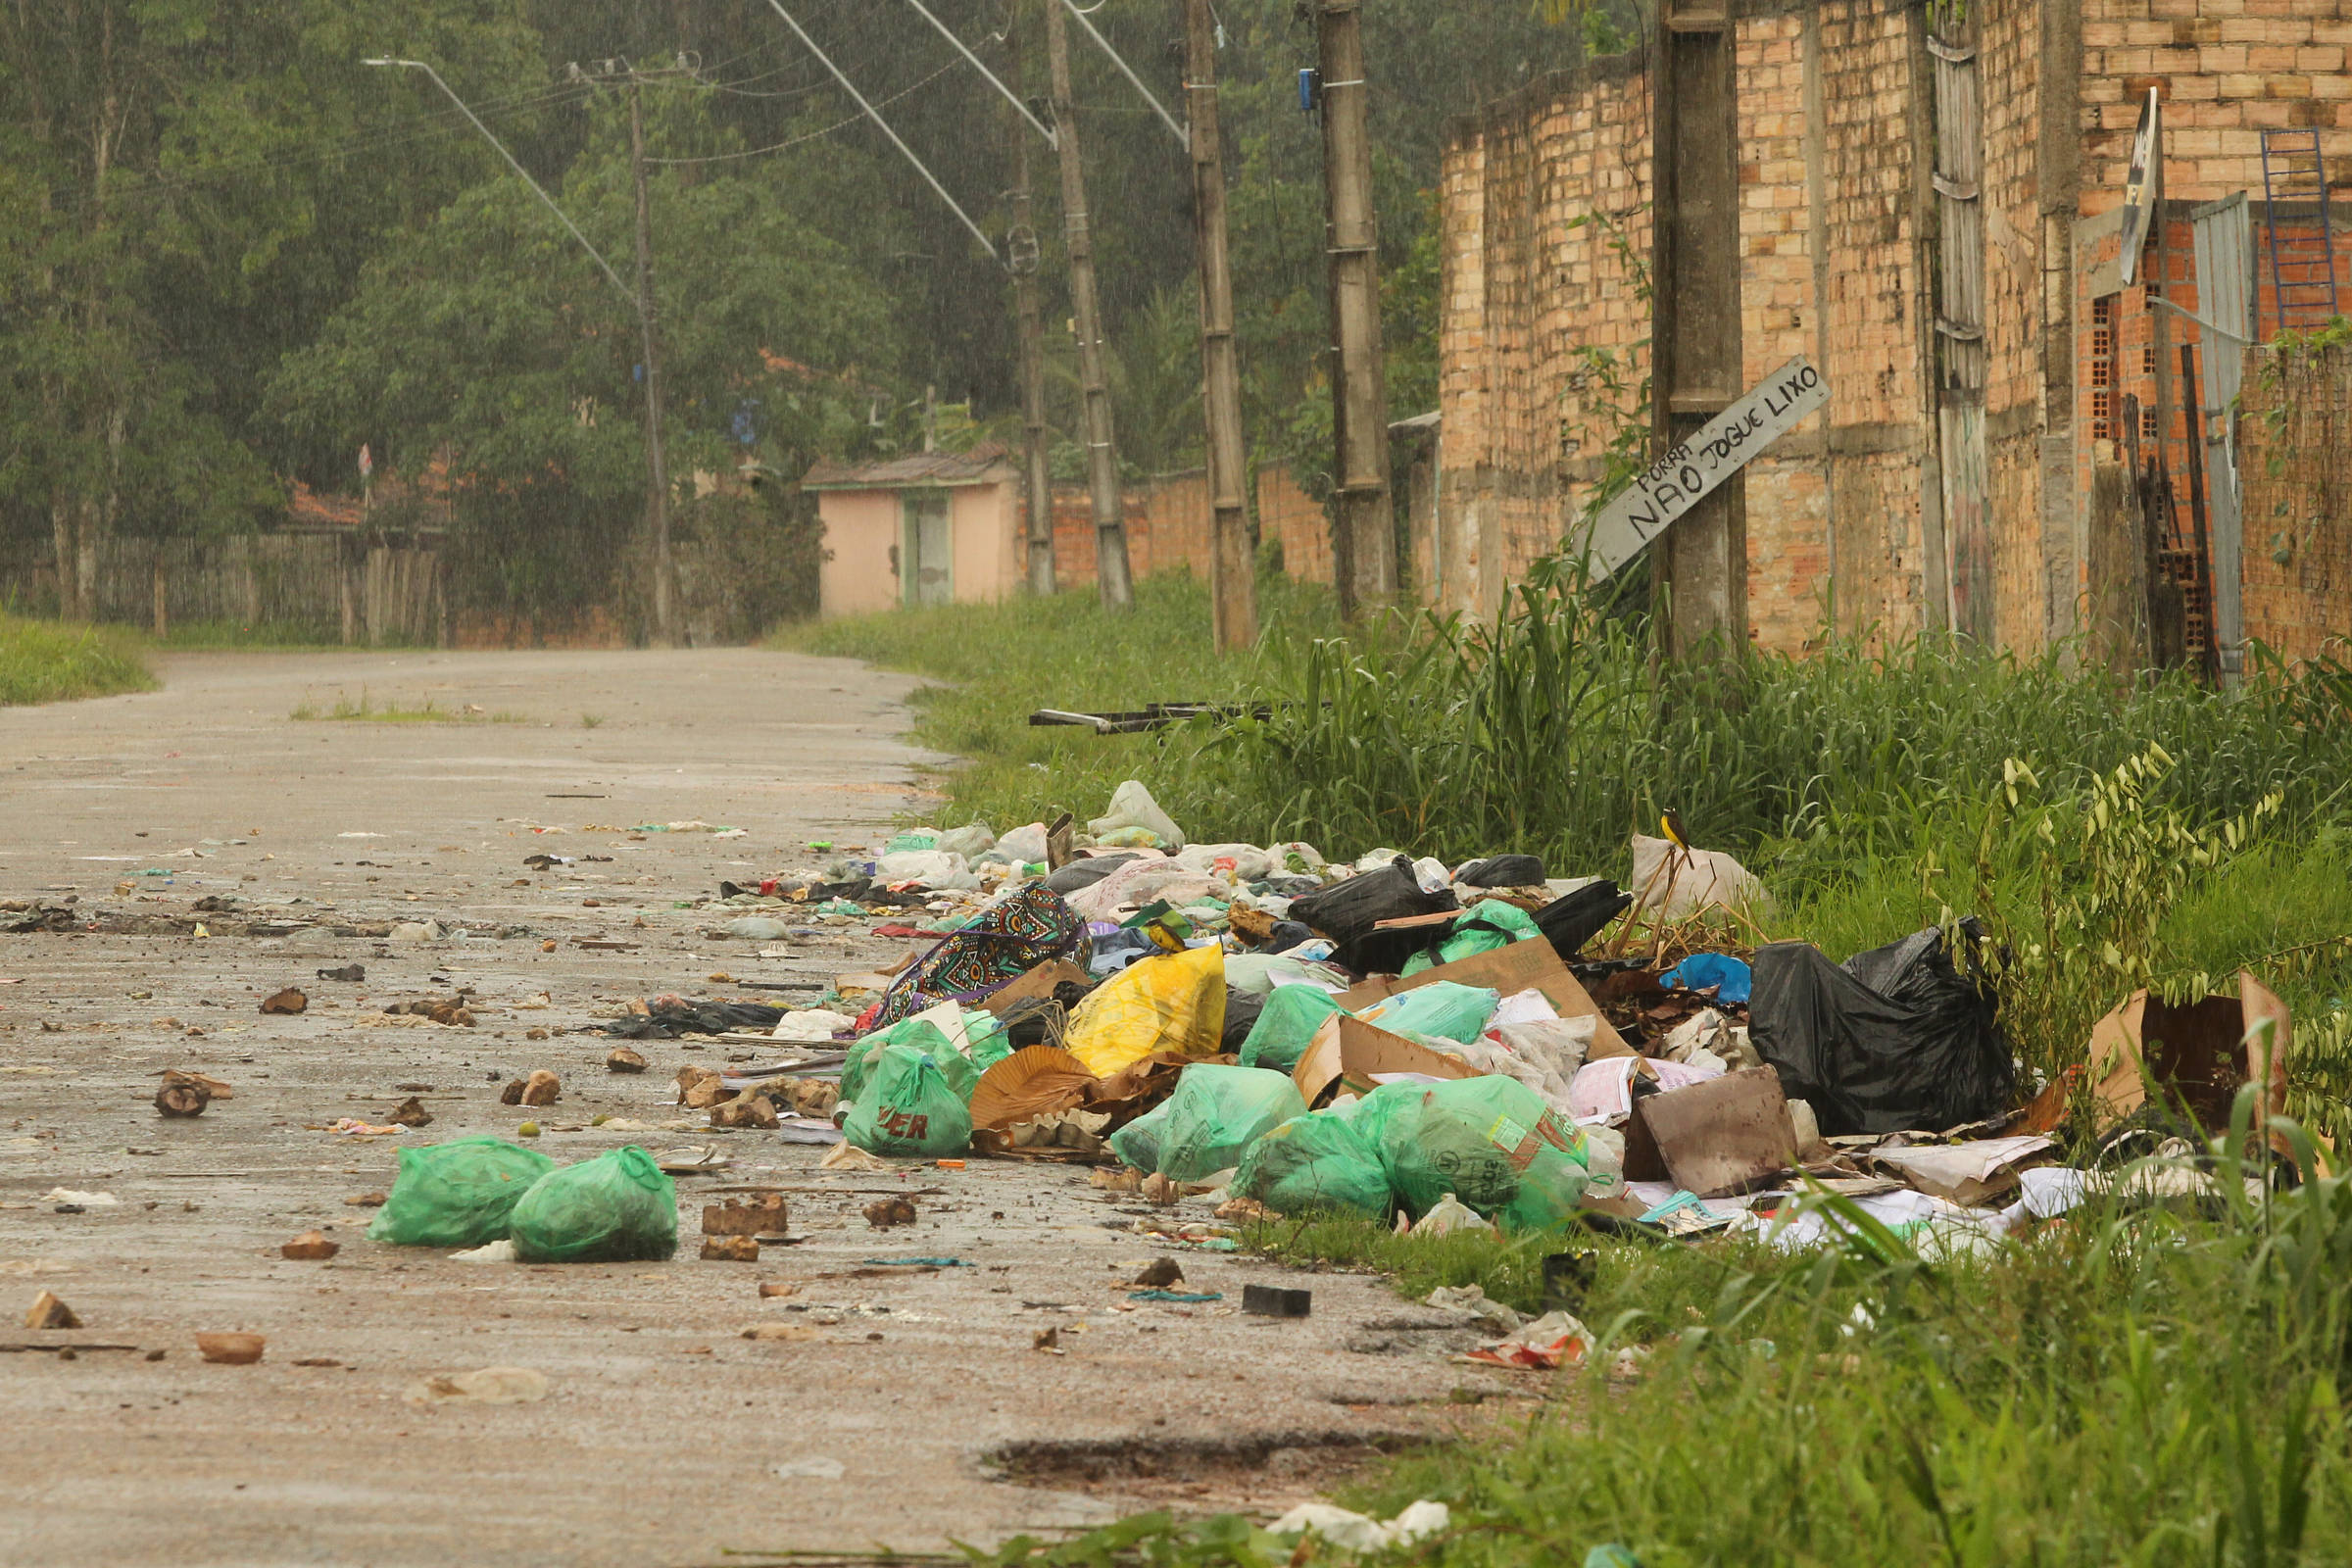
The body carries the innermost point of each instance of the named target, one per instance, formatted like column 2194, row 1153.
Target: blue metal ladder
column 2303, row 261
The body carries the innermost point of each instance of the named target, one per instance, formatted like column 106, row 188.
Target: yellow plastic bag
column 1175, row 1003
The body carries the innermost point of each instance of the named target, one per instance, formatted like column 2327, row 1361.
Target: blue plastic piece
column 1731, row 978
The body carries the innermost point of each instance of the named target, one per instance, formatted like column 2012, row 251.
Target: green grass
column 999, row 662
column 367, row 710
column 50, row 661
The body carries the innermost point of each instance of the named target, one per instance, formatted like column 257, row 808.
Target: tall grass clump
column 1553, row 729
column 49, row 662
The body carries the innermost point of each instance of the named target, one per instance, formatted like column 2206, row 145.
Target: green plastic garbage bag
column 1138, row 1143
column 1315, row 1162
column 1291, row 1015
column 909, row 1107
column 1440, row 1009
column 1491, row 1141
column 456, row 1194
column 1218, row 1111
column 858, row 1065
column 984, row 1040
column 1483, row 927
column 615, row 1209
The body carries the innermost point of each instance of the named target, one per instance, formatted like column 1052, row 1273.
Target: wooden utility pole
column 665, row 626
column 1701, row 567
column 1232, row 574
column 1101, row 455
column 1021, row 257
column 1364, row 543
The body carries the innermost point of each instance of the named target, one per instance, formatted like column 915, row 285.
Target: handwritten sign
column 1675, row 483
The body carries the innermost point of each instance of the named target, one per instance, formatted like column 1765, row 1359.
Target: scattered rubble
column 890, row 1212
column 48, row 1313
column 231, row 1349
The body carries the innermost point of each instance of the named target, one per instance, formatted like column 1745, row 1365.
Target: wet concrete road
column 912, row 1409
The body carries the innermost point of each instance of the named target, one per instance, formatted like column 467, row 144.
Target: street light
column 419, row 64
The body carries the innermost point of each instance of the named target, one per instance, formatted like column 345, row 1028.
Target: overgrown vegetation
column 46, row 662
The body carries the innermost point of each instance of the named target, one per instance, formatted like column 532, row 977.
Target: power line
column 850, row 88
column 814, row 135
column 1011, row 96
column 515, row 164
column 1124, row 68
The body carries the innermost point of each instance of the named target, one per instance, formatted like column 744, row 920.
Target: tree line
column 236, row 252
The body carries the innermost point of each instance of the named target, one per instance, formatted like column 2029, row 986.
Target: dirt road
column 915, row 1411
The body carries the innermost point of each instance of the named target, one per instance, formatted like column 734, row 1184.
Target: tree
column 488, row 342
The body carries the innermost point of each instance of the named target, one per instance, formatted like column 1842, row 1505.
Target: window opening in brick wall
column 2147, row 423
column 2102, row 368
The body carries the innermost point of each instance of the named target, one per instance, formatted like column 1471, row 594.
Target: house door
column 928, row 572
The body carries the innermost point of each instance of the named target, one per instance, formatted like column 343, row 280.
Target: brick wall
column 1540, row 311
column 2227, row 69
column 1543, row 332
column 1167, row 527
column 1074, row 538
column 1288, row 513
column 1176, row 515
column 2296, row 431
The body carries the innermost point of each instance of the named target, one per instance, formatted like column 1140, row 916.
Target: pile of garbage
column 1438, row 1048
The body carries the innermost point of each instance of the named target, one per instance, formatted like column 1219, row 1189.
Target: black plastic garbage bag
column 668, row 1018
column 1242, row 1008
column 1575, row 918
column 1892, row 1040
column 1346, row 911
column 1501, row 871
column 1286, row 934
column 1086, row 873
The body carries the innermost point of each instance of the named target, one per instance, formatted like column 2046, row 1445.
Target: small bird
column 1672, row 823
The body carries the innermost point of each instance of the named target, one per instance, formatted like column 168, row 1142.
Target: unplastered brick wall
column 2295, row 435
column 1546, row 227
column 1074, row 538
column 2034, row 576
column 2226, row 71
column 1870, row 295
column 1546, row 219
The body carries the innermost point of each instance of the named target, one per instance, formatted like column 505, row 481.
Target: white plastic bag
column 1132, row 806
column 1691, row 881
column 1450, row 1215
column 1023, row 846
column 931, row 867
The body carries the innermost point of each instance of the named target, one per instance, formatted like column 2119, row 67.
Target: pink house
column 928, row 528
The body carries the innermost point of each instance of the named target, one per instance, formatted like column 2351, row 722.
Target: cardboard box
column 1509, row 969
column 1346, row 1054
column 2199, row 1055
column 1724, row 1136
